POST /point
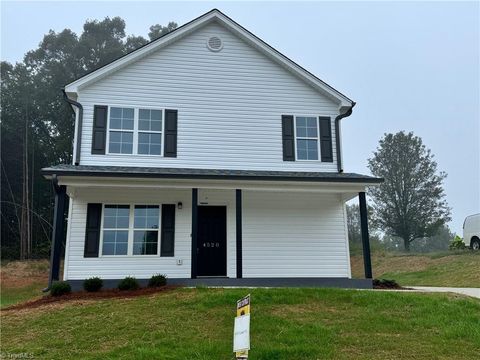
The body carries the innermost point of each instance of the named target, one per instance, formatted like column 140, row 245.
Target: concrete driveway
column 473, row 292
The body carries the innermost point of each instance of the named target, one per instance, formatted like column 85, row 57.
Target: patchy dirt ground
column 18, row 274
column 83, row 295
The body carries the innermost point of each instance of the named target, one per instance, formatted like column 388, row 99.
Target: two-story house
column 208, row 156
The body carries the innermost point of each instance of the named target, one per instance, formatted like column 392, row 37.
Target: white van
column 471, row 231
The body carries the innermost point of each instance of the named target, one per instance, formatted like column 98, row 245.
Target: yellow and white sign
column 241, row 332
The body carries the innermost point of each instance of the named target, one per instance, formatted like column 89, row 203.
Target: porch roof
column 219, row 174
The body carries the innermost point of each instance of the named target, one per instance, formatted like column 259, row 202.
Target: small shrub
column 60, row 288
column 129, row 283
column 456, row 244
column 93, row 284
column 157, row 280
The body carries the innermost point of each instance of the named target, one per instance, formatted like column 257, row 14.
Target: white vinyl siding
column 140, row 266
column 294, row 235
column 285, row 234
column 229, row 105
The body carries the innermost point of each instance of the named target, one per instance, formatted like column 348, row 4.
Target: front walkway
column 473, row 292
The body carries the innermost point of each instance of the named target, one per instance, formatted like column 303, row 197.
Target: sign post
column 241, row 331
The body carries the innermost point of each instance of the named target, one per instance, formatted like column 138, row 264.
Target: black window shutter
column 99, row 134
column 168, row 230
column 170, row 149
column 92, row 232
column 288, row 138
column 326, row 148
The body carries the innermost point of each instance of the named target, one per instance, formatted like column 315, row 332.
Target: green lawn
column 286, row 324
column 457, row 269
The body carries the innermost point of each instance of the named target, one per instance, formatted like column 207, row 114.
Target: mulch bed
column 84, row 295
column 387, row 284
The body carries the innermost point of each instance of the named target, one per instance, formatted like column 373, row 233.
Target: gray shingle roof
column 220, row 174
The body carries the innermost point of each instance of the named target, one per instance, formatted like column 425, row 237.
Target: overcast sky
column 409, row 66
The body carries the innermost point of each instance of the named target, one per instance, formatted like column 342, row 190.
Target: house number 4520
column 211, row 244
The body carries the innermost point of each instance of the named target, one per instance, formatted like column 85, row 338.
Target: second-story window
column 306, row 134
column 135, row 131
column 121, row 130
column 149, row 132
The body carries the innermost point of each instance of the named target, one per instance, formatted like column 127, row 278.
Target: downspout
column 79, row 128
column 337, row 135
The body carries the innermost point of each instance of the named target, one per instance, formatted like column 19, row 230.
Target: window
column 135, row 132
column 115, row 229
column 121, row 130
column 150, row 132
column 306, row 134
column 145, row 235
column 130, row 230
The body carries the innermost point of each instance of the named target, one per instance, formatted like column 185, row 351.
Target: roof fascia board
column 66, row 173
column 237, row 29
column 132, row 183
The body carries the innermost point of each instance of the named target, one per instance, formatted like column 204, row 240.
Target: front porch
column 266, row 232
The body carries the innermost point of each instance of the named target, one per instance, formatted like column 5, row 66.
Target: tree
column 353, row 224
column 438, row 242
column 411, row 202
column 37, row 125
column 158, row 30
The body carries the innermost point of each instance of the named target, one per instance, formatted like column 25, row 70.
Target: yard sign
column 241, row 332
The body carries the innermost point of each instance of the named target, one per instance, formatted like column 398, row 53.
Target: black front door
column 212, row 241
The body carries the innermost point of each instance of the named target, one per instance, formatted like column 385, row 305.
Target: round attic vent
column 214, row 43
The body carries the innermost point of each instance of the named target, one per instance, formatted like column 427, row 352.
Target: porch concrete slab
column 473, row 292
column 344, row 283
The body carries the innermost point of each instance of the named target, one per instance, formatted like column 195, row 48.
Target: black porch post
column 238, row 203
column 58, row 233
column 367, row 263
column 194, row 232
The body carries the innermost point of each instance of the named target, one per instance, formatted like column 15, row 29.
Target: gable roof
column 240, row 31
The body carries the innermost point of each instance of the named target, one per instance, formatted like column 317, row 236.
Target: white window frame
column 131, row 229
column 136, row 112
column 114, row 229
column 146, row 229
column 307, row 138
